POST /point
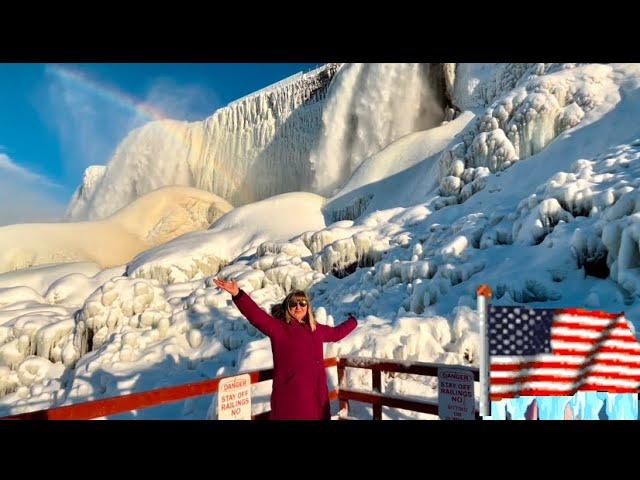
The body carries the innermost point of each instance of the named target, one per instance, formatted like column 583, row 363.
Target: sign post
column 234, row 398
column 455, row 394
column 484, row 298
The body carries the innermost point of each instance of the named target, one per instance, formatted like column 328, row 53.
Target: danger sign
column 455, row 394
column 234, row 398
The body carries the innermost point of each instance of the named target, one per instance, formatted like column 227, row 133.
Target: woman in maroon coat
column 299, row 378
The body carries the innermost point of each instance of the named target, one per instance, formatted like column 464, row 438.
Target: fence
column 376, row 397
column 134, row 401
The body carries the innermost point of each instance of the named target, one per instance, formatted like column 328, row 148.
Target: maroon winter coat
column 299, row 378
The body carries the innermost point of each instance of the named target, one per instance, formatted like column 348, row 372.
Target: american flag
column 543, row 352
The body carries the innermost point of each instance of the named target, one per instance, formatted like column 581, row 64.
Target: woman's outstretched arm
column 335, row 334
column 256, row 316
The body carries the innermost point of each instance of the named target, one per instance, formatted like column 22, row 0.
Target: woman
column 299, row 378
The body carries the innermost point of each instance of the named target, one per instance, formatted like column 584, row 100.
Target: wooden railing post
column 376, row 377
column 344, row 404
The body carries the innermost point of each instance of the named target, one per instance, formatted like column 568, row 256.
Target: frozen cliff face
column 369, row 106
column 306, row 133
column 546, row 101
column 311, row 132
column 149, row 157
column 476, row 85
column 256, row 147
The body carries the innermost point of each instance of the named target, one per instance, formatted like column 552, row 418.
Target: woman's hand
column 231, row 287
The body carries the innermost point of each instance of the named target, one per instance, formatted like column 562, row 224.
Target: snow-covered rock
column 149, row 221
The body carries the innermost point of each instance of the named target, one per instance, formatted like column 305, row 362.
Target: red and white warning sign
column 234, row 398
column 455, row 394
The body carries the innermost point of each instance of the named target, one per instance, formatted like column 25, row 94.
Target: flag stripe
column 593, row 327
column 572, row 359
column 509, row 367
column 591, row 340
column 565, row 372
column 584, row 336
column 564, row 320
column 560, row 379
column 579, row 312
column 613, row 349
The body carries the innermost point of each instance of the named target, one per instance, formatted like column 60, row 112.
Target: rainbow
column 108, row 92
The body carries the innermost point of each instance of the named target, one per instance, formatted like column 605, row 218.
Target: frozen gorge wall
column 230, row 152
column 306, row 133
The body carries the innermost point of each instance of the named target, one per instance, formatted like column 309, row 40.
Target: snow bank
column 151, row 220
column 202, row 254
column 40, row 278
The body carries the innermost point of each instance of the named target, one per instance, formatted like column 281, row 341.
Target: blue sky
column 55, row 120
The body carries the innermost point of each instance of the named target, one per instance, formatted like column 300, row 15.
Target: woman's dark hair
column 277, row 311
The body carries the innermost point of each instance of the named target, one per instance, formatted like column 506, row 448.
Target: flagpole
column 484, row 298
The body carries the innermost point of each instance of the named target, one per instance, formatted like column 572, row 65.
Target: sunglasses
column 301, row 303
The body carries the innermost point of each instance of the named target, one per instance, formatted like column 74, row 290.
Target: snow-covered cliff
column 306, row 133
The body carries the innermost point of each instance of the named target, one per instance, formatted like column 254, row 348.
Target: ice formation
column 308, row 133
column 254, row 148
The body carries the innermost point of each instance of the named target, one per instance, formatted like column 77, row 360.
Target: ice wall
column 306, row 133
column 254, row 148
